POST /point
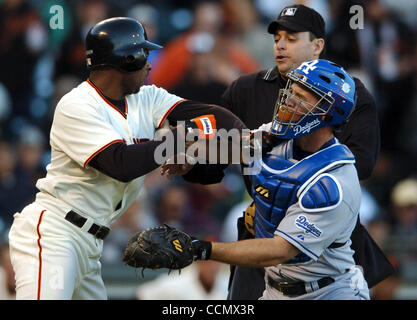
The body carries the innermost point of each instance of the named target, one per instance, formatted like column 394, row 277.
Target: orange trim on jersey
column 40, row 255
column 107, row 101
column 169, row 111
column 101, row 149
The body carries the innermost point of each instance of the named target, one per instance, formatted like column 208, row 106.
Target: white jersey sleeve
column 81, row 130
column 160, row 103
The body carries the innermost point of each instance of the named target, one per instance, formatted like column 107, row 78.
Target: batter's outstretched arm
column 127, row 162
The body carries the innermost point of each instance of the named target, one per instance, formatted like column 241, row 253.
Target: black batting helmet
column 120, row 42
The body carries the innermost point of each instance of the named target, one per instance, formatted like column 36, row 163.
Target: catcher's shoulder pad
column 322, row 194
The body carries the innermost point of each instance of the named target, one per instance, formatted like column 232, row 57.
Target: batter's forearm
column 127, row 162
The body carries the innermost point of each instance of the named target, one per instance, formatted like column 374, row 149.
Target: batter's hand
column 170, row 168
column 265, row 141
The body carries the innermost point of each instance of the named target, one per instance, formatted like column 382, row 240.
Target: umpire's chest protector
column 281, row 183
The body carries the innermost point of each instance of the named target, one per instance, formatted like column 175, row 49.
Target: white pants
column 53, row 259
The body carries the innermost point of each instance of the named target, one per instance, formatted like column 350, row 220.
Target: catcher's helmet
column 120, row 42
column 336, row 93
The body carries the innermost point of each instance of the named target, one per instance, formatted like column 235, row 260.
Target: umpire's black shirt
column 252, row 98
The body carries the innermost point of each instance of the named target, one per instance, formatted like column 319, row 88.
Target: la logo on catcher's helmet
column 119, row 42
column 330, row 83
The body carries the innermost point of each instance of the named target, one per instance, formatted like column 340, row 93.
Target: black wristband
column 202, row 249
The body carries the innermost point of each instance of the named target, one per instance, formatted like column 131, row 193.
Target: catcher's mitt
column 159, row 247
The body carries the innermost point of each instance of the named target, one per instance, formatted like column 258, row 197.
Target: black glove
column 164, row 247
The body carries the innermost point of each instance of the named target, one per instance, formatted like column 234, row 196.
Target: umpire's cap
column 299, row 18
column 119, row 42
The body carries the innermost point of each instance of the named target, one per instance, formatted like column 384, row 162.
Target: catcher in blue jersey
column 306, row 195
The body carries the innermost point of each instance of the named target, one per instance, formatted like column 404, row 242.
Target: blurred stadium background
column 207, row 44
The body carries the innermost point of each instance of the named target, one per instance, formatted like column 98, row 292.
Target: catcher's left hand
column 164, row 247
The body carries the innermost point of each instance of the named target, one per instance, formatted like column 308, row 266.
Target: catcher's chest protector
column 282, row 183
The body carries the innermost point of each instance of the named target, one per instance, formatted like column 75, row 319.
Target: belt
column 100, row 232
column 299, row 288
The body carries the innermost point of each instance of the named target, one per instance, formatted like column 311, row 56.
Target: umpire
column 299, row 33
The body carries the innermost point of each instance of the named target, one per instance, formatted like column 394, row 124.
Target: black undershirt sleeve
column 127, row 162
column 225, row 119
column 114, row 160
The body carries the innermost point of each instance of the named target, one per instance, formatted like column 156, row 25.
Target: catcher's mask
column 120, row 43
column 324, row 95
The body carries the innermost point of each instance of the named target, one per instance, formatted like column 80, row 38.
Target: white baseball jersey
column 85, row 123
column 51, row 257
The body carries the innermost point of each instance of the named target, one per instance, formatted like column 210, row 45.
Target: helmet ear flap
column 353, row 108
column 132, row 62
column 130, row 59
column 337, row 127
column 340, row 111
column 328, row 118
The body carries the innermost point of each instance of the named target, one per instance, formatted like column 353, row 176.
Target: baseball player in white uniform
column 101, row 148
